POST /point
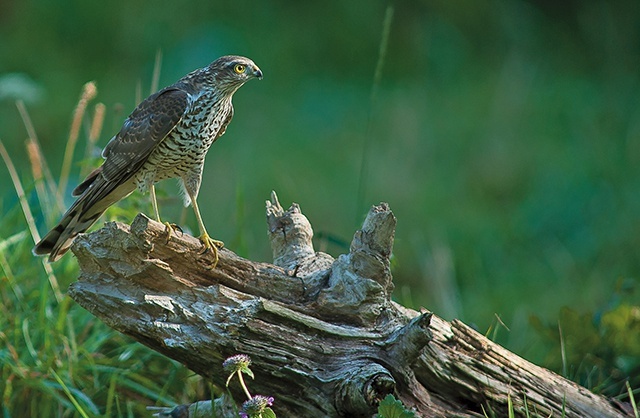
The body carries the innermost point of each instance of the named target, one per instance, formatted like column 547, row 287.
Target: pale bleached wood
column 324, row 336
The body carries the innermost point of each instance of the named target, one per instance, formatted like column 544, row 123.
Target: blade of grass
column 6, row 267
column 492, row 331
column 111, row 395
column 6, row 395
column 144, row 386
column 64, row 319
column 377, row 76
column 632, row 399
column 45, row 314
column 89, row 91
column 69, row 394
column 26, row 210
column 155, row 79
column 27, row 340
column 563, row 353
column 13, row 239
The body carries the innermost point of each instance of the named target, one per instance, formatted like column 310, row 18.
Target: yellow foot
column 169, row 228
column 211, row 245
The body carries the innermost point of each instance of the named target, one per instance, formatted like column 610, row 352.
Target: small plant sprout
column 238, row 364
column 257, row 406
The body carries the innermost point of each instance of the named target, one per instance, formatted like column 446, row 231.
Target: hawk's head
column 232, row 71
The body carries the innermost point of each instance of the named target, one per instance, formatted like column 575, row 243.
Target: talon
column 169, row 227
column 211, row 245
column 177, row 228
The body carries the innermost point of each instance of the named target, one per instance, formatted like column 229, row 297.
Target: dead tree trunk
column 324, row 336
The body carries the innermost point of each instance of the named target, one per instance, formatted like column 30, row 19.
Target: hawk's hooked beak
column 257, row 73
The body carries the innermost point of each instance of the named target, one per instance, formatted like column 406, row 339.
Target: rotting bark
column 323, row 334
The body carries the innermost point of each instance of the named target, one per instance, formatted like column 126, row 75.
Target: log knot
column 364, row 385
column 407, row 343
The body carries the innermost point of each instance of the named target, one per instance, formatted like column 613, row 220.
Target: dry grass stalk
column 89, row 92
column 37, row 164
column 51, row 184
column 94, row 134
column 96, row 124
column 26, row 210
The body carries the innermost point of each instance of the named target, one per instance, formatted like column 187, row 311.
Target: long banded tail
column 59, row 239
column 96, row 197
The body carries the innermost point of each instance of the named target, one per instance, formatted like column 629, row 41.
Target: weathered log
column 324, row 336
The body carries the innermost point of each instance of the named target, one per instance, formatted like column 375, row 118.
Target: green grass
column 524, row 411
column 56, row 359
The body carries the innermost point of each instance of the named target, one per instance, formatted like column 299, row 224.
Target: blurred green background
column 505, row 135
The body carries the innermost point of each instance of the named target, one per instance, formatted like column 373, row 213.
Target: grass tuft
column 31, row 224
column 56, row 359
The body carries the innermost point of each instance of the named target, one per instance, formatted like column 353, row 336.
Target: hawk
column 167, row 136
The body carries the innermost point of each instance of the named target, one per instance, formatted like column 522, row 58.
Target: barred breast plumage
column 185, row 147
column 167, row 136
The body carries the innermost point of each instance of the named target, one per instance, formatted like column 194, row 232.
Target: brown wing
column 144, row 129
column 148, row 125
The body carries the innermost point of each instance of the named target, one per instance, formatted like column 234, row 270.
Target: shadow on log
column 323, row 334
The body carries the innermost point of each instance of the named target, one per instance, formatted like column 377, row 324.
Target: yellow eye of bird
column 239, row 68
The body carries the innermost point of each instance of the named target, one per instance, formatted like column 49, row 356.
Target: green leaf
column 390, row 407
column 268, row 413
column 248, row 372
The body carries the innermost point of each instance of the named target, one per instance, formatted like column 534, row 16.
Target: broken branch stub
column 356, row 288
column 360, row 283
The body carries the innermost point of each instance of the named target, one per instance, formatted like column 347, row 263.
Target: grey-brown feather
column 167, row 136
column 148, row 126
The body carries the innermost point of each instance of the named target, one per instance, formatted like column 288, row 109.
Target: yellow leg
column 169, row 227
column 207, row 241
column 154, row 202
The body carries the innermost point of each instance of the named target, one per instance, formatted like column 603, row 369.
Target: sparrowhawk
column 166, row 136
